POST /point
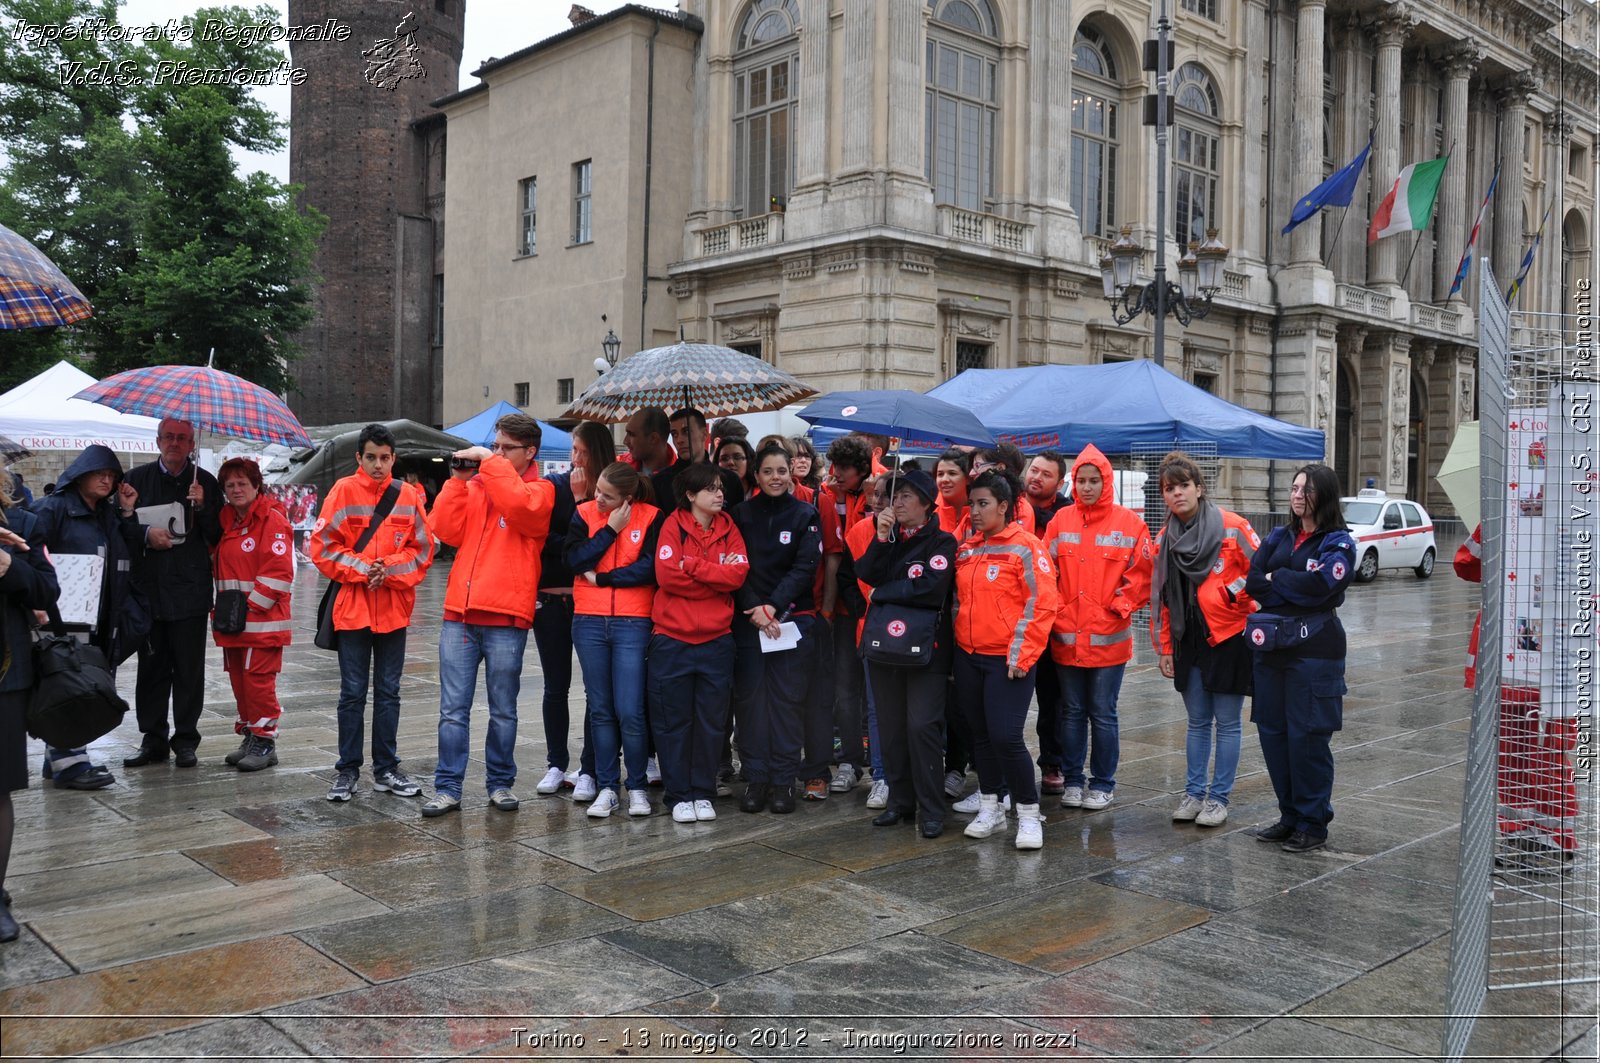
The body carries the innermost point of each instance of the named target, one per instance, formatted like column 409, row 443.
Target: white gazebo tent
column 41, row 415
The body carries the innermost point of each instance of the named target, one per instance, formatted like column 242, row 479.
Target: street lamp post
column 611, row 346
column 1200, row 269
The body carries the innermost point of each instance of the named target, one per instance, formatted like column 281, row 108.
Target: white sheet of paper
column 80, row 576
column 174, row 516
column 788, row 638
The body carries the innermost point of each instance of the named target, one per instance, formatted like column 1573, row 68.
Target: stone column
column 1547, row 264
column 811, row 138
column 1385, row 397
column 1047, row 201
column 1455, row 216
column 856, row 150
column 906, row 103
column 1508, row 238
column 1253, row 242
column 1305, row 243
column 1391, row 31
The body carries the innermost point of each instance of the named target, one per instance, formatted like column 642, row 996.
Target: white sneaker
column 1212, row 814
column 652, row 772
column 990, row 819
column 974, row 801
column 954, row 783
column 878, row 796
column 1187, row 810
column 845, row 779
column 1030, row 831
column 551, row 782
column 1095, row 800
column 604, row 804
column 703, row 810
column 683, row 812
column 638, row 803
column 585, row 789
column 1072, row 797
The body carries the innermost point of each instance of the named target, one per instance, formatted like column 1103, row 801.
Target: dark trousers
column 552, row 634
column 772, row 717
column 364, row 654
column 172, row 665
column 957, row 738
column 692, row 690
column 849, row 683
column 1298, row 704
column 997, row 712
column 910, row 706
column 820, row 700
column 1047, row 690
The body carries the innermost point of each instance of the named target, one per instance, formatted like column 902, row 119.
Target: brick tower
column 369, row 149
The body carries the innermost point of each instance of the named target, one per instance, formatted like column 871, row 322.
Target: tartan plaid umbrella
column 34, row 293
column 717, row 381
column 209, row 398
column 11, row 450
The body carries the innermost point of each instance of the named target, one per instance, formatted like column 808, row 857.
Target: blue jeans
column 611, row 652
column 461, row 647
column 1206, row 709
column 872, row 727
column 358, row 652
column 1089, row 699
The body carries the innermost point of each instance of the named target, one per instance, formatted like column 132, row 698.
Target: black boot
column 782, row 800
column 151, row 751
column 755, row 797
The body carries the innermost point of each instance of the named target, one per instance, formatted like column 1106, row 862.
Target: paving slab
column 45, row 893
column 95, row 843
column 1231, row 873
column 453, row 875
column 141, row 999
column 1281, row 1039
column 316, row 851
column 689, row 882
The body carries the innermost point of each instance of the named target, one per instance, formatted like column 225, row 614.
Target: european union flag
column 1337, row 191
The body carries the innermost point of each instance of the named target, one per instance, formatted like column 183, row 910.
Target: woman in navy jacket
column 1301, row 571
column 27, row 583
column 783, row 539
column 911, row 562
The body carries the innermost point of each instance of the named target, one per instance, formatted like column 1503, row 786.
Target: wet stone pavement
column 208, row 913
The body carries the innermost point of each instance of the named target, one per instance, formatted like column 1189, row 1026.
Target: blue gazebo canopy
column 479, row 429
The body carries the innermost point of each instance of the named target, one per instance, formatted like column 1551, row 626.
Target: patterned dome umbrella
column 717, row 381
column 34, row 293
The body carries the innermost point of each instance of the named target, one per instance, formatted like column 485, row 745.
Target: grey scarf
column 1190, row 549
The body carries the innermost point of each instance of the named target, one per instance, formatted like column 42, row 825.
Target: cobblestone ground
column 196, row 913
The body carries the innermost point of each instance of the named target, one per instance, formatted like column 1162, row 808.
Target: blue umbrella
column 920, row 422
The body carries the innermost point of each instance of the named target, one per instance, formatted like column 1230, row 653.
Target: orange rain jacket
column 1005, row 598
column 633, row 547
column 1102, row 554
column 498, row 522
column 403, row 543
column 255, row 555
column 1222, row 599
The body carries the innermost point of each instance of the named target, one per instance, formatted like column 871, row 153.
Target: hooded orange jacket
column 1005, row 598
column 498, row 521
column 1102, row 554
column 403, row 543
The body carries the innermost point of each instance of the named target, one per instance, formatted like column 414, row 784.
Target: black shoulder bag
column 74, row 698
column 327, row 638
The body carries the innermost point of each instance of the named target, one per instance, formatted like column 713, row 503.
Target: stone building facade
column 369, row 148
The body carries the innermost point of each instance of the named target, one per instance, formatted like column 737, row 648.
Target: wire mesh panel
column 1527, row 909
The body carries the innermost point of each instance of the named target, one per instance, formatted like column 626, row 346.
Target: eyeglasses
column 1300, row 491
column 503, row 448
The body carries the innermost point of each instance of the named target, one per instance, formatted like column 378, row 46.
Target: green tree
column 126, row 181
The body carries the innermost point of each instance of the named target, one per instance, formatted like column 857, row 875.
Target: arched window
column 962, row 72
column 1094, row 133
column 1196, row 160
column 765, row 69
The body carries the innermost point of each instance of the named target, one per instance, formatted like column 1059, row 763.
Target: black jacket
column 783, row 537
column 177, row 582
column 553, row 570
column 917, row 570
column 69, row 526
column 28, row 584
column 1306, row 580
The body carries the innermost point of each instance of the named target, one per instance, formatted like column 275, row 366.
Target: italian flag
column 1409, row 204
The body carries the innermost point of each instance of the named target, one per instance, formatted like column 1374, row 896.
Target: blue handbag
column 1273, row 631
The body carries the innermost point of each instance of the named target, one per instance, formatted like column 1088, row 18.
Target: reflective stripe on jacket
column 633, row 545
column 1005, row 600
column 498, row 522
column 1222, row 597
column 404, row 545
column 256, row 556
column 1103, row 557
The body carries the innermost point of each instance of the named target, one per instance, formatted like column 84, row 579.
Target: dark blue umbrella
column 918, row 421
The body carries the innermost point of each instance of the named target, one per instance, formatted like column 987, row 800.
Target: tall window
column 521, row 389
column 971, row 355
column 564, row 390
column 529, row 198
column 582, row 205
column 962, row 69
column 1196, row 162
column 766, row 65
column 1094, row 134
column 438, row 309
column 1206, row 9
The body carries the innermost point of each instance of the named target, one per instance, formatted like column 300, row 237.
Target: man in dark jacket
column 92, row 513
column 176, row 579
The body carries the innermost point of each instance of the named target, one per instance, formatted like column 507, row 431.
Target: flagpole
column 1333, row 244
